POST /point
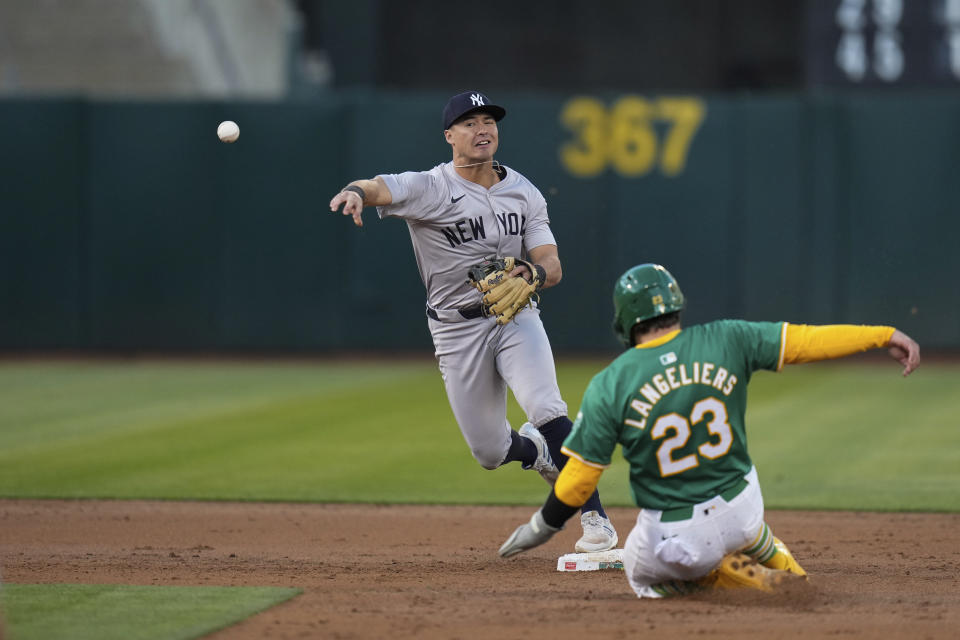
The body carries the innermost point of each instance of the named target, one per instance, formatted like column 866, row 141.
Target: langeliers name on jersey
column 682, row 375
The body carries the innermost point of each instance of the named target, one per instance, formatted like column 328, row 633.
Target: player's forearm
column 547, row 257
column 808, row 343
column 375, row 191
column 553, row 269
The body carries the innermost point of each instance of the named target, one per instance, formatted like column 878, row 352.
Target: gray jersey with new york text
column 454, row 223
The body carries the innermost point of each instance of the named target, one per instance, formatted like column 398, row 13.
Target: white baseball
column 228, row 131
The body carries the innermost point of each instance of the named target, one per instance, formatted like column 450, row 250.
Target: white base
column 612, row 559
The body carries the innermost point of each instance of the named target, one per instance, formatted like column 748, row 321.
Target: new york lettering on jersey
column 512, row 224
column 465, row 230
column 469, row 229
column 454, row 224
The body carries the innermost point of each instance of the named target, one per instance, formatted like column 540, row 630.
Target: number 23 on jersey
column 709, row 411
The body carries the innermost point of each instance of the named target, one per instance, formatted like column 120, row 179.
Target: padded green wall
column 128, row 225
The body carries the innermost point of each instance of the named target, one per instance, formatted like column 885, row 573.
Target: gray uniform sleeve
column 538, row 223
column 414, row 195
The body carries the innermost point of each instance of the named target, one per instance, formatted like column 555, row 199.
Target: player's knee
column 488, row 464
column 488, row 458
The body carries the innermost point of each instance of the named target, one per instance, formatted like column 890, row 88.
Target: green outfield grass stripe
column 40, row 400
column 852, row 435
column 124, row 612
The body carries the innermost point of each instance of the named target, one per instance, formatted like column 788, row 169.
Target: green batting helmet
column 643, row 292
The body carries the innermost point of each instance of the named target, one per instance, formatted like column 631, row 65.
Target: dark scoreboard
column 875, row 43
column 641, row 46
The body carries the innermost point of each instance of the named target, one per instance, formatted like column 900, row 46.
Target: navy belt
column 685, row 513
column 469, row 313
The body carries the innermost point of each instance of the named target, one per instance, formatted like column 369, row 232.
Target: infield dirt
column 370, row 571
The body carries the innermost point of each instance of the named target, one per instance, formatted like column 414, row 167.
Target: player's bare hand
column 527, row 536
column 521, row 271
column 904, row 350
column 352, row 205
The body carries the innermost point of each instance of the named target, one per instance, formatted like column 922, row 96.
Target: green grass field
column 126, row 612
column 852, row 435
column 842, row 435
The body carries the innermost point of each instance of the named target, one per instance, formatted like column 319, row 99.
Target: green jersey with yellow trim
column 677, row 410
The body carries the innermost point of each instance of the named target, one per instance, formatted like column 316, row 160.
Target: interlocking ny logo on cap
column 467, row 102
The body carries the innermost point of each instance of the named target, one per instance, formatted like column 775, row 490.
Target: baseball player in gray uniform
column 458, row 213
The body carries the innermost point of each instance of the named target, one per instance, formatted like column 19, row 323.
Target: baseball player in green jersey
column 675, row 402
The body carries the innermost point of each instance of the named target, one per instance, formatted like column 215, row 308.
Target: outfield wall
column 128, row 225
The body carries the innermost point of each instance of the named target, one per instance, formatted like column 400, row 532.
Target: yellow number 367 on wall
column 624, row 137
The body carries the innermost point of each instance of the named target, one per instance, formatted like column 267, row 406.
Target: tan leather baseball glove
column 504, row 296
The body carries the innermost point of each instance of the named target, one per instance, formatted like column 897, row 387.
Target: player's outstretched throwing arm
column 359, row 194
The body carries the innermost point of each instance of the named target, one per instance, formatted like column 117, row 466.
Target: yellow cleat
column 738, row 571
column 784, row 560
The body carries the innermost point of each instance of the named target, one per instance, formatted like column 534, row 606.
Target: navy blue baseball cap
column 468, row 102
